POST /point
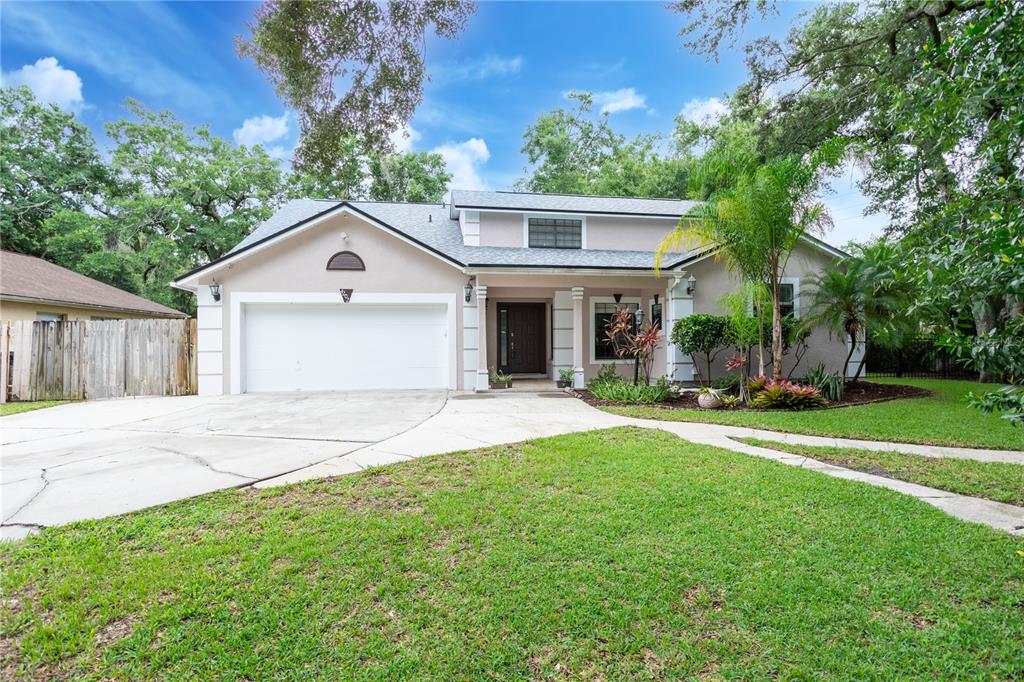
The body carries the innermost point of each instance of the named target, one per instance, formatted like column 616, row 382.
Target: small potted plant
column 500, row 379
column 709, row 399
column 565, row 377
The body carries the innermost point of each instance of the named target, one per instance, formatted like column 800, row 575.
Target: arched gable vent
column 345, row 260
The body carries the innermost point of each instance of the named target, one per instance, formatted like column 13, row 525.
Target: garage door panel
column 344, row 347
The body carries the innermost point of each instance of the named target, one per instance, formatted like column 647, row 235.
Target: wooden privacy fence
column 97, row 359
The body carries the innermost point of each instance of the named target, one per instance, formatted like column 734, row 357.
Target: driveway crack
column 46, row 483
column 204, row 463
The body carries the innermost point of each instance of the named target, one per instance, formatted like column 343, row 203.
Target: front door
column 521, row 338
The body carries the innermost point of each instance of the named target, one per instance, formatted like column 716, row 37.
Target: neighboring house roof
column 568, row 203
column 432, row 227
column 27, row 278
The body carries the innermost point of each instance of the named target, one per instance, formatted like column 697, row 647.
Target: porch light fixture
column 691, row 285
column 346, row 295
column 215, row 291
column 468, row 290
column 639, row 314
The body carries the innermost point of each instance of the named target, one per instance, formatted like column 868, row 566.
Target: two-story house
column 338, row 295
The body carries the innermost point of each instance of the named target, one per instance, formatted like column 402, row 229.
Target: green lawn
column 622, row 554
column 941, row 419
column 15, row 408
column 997, row 481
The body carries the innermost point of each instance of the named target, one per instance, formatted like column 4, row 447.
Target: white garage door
column 327, row 347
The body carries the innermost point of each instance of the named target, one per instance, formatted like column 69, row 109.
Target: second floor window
column 556, row 233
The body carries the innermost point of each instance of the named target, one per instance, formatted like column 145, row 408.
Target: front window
column 603, row 349
column 555, row 233
column 787, row 299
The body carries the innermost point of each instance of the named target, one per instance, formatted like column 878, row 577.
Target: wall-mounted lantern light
column 215, row 290
column 639, row 317
column 346, row 295
column 691, row 285
column 468, row 290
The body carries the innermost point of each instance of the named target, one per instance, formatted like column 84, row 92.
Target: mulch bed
column 857, row 393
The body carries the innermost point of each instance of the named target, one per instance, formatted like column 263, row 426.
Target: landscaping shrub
column 756, row 385
column 832, row 386
column 622, row 391
column 702, row 334
column 728, row 383
column 605, row 375
column 785, row 395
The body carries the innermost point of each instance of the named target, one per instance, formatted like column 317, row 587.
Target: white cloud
column 704, row 110
column 50, row 82
column 624, row 99
column 846, row 204
column 259, row 130
column 479, row 69
column 464, row 160
column 405, row 138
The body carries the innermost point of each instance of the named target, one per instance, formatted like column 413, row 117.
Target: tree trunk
column 860, row 365
column 984, row 323
column 776, row 335
column 846, row 363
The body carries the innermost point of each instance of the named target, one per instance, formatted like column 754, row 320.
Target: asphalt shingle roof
column 431, row 226
column 569, row 203
column 27, row 277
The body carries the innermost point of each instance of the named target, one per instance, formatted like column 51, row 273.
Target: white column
column 577, row 337
column 210, row 342
column 678, row 304
column 483, row 382
column 470, row 342
column 561, row 332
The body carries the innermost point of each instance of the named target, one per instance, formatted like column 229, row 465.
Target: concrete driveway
column 96, row 459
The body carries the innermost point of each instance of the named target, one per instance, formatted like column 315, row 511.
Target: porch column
column 678, row 304
column 577, row 337
column 483, row 382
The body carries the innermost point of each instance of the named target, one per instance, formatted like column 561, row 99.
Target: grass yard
column 941, row 419
column 620, row 554
column 997, row 481
column 15, row 408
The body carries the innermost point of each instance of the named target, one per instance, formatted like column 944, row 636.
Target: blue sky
column 513, row 62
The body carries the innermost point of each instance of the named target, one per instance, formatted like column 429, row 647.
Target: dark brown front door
column 521, row 338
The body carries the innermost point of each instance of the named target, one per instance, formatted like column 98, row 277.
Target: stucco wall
column 714, row 280
column 19, row 310
column 501, row 229
column 299, row 264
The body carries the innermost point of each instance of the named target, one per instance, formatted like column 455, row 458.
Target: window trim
column 555, row 216
column 592, row 306
column 795, row 281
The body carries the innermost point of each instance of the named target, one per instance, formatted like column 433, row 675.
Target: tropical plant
column 755, row 224
column 605, row 374
column 496, row 376
column 630, row 342
column 854, row 294
column 746, row 328
column 727, row 383
column 757, row 384
column 832, row 386
column 785, row 395
column 702, row 334
column 567, row 375
column 738, row 363
column 622, row 391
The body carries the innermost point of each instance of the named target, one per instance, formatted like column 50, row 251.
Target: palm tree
column 755, row 223
column 859, row 292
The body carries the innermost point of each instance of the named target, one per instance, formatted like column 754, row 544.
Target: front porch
column 535, row 326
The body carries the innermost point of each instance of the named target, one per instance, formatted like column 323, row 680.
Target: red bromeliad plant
column 738, row 362
column 786, row 395
column 630, row 342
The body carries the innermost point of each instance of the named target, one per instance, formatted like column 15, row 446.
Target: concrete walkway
column 470, row 421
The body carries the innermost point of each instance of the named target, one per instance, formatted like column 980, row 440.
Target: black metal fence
column 921, row 358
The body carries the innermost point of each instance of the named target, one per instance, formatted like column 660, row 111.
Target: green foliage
column 785, row 395
column 496, row 376
column 1009, row 400
column 605, row 374
column 308, row 50
column 566, row 375
column 727, row 383
column 702, row 334
column 757, row 384
column 622, row 391
column 832, row 386
column 571, row 152
column 48, row 163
